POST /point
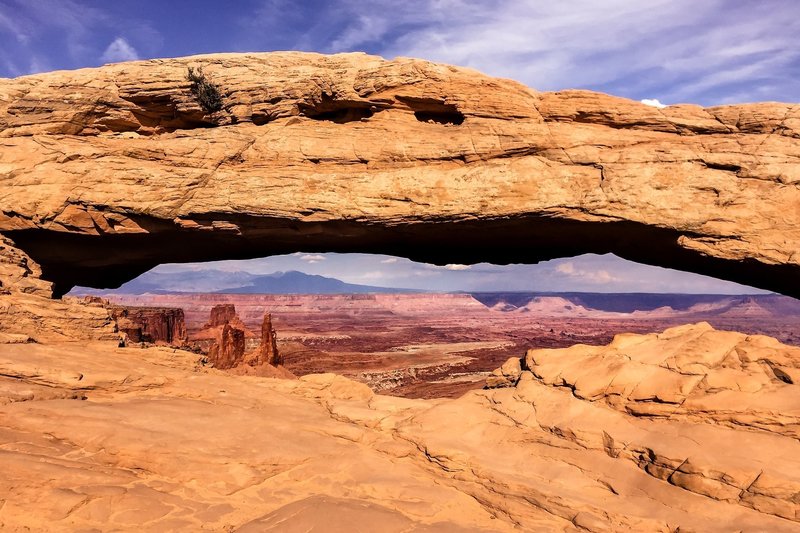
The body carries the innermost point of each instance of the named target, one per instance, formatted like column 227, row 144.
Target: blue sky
column 585, row 273
column 700, row 51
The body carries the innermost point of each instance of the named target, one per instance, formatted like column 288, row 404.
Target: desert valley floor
column 442, row 345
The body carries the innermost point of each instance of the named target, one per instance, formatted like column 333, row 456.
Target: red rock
column 151, row 324
column 268, row 350
column 228, row 349
column 221, row 314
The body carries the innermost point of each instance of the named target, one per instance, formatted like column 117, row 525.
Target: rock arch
column 107, row 172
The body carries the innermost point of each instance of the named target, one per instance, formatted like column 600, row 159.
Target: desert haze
column 390, row 412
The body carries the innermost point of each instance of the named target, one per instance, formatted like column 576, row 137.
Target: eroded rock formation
column 151, row 324
column 267, row 353
column 225, row 336
column 26, row 307
column 229, row 346
column 107, row 172
column 227, row 351
column 220, row 315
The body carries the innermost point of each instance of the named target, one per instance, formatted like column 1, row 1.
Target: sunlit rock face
column 107, row 172
column 690, row 429
column 267, row 352
column 150, row 324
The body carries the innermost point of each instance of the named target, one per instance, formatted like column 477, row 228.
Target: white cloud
column 365, row 29
column 598, row 276
column 389, row 261
column 653, row 102
column 312, row 258
column 677, row 49
column 566, row 268
column 119, row 50
column 449, row 266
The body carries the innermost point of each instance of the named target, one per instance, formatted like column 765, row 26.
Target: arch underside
column 69, row 259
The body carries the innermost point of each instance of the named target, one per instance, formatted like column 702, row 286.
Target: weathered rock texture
column 268, row 349
column 225, row 337
column 228, row 347
column 220, row 315
column 227, row 351
column 151, row 324
column 107, row 172
column 691, row 429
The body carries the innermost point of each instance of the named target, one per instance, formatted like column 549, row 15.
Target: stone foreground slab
column 97, row 437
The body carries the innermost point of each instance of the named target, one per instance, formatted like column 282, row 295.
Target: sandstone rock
column 221, row 314
column 688, row 429
column 505, row 376
column 685, row 372
column 19, row 273
column 228, row 348
column 268, row 350
column 14, row 338
column 151, row 324
column 534, row 457
column 46, row 320
column 26, row 307
column 430, row 161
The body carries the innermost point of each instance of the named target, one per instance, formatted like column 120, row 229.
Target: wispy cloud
column 670, row 50
column 372, row 275
column 119, row 50
column 598, row 276
column 47, row 34
column 389, row 261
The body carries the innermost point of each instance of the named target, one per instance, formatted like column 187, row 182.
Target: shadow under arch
column 107, row 261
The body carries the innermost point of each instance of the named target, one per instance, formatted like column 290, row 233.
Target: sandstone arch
column 107, row 172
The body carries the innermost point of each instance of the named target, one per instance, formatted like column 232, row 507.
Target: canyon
column 674, row 425
column 443, row 345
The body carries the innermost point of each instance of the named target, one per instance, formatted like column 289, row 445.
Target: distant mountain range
column 644, row 304
column 220, row 281
column 535, row 303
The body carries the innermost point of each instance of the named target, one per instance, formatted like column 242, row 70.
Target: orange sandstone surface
column 690, row 429
column 106, row 172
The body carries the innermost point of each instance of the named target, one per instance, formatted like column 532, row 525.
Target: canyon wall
column 151, row 324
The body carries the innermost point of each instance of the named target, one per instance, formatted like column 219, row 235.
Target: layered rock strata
column 151, row 324
column 107, row 172
column 229, row 347
column 222, row 314
column 27, row 310
column 227, row 351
